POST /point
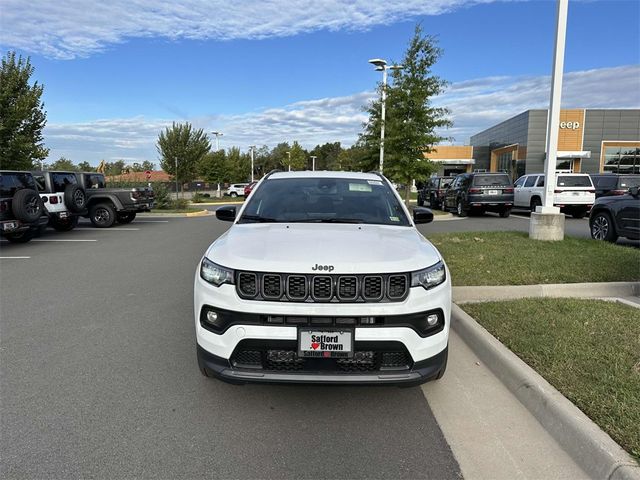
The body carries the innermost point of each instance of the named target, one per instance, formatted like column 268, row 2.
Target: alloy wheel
column 600, row 228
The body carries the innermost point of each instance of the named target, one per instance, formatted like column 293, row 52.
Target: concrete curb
column 201, row 213
column 210, row 204
column 595, row 451
column 557, row 290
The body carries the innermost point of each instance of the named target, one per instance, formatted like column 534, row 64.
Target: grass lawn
column 511, row 258
column 588, row 349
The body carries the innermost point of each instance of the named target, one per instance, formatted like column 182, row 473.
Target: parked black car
column 433, row 191
column 73, row 198
column 616, row 216
column 22, row 213
column 108, row 205
column 614, row 183
column 479, row 193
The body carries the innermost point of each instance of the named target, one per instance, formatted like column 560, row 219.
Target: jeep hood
column 297, row 248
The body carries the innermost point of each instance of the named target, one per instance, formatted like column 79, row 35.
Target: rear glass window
column 61, row 180
column 574, row 181
column 12, row 182
column 445, row 182
column 604, row 182
column 628, row 182
column 491, row 180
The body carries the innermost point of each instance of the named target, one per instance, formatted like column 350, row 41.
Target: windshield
column 629, row 181
column 574, row 181
column 319, row 200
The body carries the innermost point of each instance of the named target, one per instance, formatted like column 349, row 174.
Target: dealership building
column 589, row 140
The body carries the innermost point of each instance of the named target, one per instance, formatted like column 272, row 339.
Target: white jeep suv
column 574, row 193
column 323, row 278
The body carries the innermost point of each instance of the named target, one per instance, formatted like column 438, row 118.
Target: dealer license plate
column 9, row 226
column 64, row 214
column 492, row 192
column 325, row 343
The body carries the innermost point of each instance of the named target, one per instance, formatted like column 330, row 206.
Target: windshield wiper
column 327, row 220
column 257, row 218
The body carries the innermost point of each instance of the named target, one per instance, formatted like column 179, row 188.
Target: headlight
column 215, row 274
column 429, row 277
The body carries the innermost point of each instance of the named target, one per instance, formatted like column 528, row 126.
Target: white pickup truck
column 574, row 193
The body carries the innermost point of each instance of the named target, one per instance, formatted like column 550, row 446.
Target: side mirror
column 634, row 191
column 422, row 215
column 226, row 214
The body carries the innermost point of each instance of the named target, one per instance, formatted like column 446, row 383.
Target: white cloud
column 67, row 29
column 474, row 104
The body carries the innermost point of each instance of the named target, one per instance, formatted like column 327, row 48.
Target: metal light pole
column 553, row 122
column 313, row 162
column 547, row 223
column 381, row 66
column 289, row 155
column 252, row 148
column 217, row 134
column 176, row 158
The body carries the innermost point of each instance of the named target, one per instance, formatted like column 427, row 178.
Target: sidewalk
column 492, row 435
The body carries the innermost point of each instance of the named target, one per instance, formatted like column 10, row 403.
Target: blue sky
column 268, row 71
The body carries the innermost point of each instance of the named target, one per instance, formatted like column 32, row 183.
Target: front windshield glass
column 320, row 200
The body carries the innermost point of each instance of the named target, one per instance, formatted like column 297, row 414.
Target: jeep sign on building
column 589, row 140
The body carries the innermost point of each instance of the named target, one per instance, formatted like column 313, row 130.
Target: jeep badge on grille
column 326, row 268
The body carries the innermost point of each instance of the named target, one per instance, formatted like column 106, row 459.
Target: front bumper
column 426, row 351
column 214, row 366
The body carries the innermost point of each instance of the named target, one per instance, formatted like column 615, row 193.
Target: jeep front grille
column 285, row 287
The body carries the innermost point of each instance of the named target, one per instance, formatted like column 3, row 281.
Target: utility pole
column 252, row 148
column 289, row 156
column 313, row 162
column 217, row 134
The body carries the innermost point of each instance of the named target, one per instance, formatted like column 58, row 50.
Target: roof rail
column 271, row 172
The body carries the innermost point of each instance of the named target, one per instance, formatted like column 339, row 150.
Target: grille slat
column 322, row 288
column 297, row 287
column 271, row 286
column 293, row 287
column 397, row 286
column 372, row 288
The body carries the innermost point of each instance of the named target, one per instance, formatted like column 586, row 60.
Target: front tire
column 21, row 237
column 102, row 215
column 127, row 217
column 233, row 194
column 535, row 202
column 460, row 209
column 602, row 228
column 65, row 226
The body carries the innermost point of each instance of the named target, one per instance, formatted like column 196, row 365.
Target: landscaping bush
column 161, row 192
column 197, row 197
column 179, row 204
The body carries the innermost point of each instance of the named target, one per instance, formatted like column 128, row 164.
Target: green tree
column 63, row 164
column 237, row 166
column 411, row 119
column 298, row 157
column 147, row 165
column 185, row 144
column 352, row 158
column 22, row 115
column 212, row 167
column 86, row 167
column 327, row 156
column 114, row 168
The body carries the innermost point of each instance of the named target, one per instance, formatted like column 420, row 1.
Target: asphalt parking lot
column 99, row 377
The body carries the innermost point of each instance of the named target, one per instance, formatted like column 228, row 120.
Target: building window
column 564, row 165
column 620, row 159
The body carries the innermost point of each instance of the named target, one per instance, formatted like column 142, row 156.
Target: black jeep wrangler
column 22, row 213
column 108, row 205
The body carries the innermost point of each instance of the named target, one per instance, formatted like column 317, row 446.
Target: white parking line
column 151, row 221
column 54, row 240
column 8, row 258
column 119, row 229
column 520, row 216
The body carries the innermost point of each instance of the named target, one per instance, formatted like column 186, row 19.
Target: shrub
column 161, row 192
column 197, row 197
column 180, row 204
